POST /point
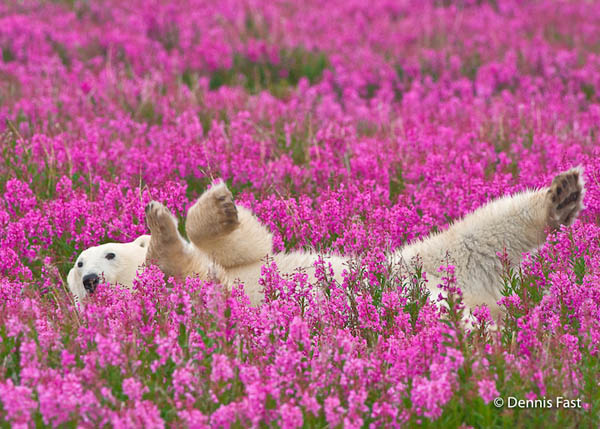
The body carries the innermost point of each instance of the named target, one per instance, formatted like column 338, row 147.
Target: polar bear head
column 111, row 263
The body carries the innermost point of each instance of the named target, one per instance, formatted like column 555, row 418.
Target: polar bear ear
column 142, row 241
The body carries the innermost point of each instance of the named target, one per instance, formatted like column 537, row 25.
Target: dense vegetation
column 352, row 126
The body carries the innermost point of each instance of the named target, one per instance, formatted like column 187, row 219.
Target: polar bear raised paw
column 565, row 197
column 166, row 248
column 161, row 222
column 213, row 215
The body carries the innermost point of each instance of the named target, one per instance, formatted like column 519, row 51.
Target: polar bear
column 229, row 244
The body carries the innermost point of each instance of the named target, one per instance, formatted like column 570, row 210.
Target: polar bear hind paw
column 213, row 215
column 565, row 197
column 226, row 210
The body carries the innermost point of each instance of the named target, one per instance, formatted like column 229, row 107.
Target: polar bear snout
column 91, row 282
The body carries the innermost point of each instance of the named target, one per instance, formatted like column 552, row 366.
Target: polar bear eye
column 80, row 264
column 110, row 256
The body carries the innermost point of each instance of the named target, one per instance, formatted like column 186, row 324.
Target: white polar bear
column 228, row 244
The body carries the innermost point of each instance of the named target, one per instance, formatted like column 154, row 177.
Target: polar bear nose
column 90, row 282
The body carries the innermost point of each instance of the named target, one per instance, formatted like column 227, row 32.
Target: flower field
column 346, row 126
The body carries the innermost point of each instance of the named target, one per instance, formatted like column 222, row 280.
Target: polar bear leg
column 171, row 253
column 513, row 224
column 232, row 236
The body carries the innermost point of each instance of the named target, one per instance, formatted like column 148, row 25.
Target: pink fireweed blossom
column 17, row 402
column 429, row 396
column 487, row 390
column 291, row 416
column 221, row 368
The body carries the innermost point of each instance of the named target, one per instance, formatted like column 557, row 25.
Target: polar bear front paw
column 166, row 248
column 162, row 224
column 565, row 197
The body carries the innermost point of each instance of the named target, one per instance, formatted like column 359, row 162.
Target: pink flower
column 487, row 390
column 133, row 389
column 428, row 396
column 482, row 314
column 221, row 368
column 291, row 416
column 333, row 410
column 17, row 402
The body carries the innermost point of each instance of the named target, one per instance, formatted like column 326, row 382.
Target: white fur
column 122, row 269
column 514, row 224
column 470, row 245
